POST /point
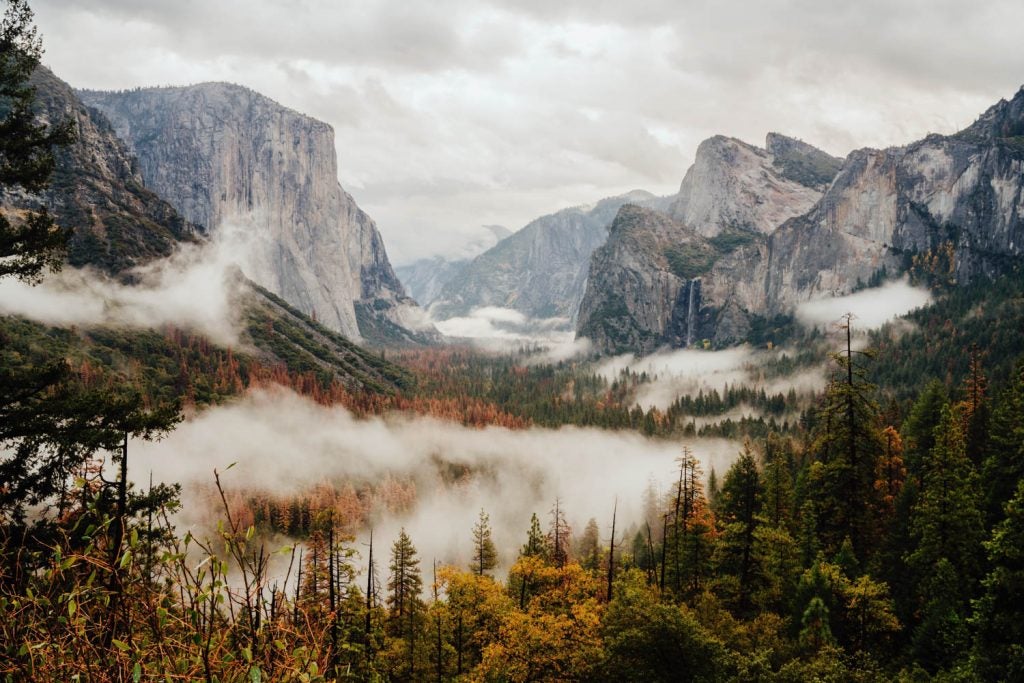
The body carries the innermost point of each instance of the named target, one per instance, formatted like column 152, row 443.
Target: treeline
column 555, row 394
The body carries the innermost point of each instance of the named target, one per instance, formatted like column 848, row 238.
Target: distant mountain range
column 540, row 270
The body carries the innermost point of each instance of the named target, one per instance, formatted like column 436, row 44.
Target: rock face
column 223, row 154
column 952, row 206
column 541, row 270
column 97, row 190
column 738, row 187
column 644, row 290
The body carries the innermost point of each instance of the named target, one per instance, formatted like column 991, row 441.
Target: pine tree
column 485, row 556
column 847, row 441
column 405, row 585
column 405, row 606
column 32, row 243
column 1003, row 465
column 739, row 510
column 948, row 528
column 777, row 480
column 975, row 408
column 918, row 430
column 559, row 535
column 589, row 547
column 536, row 545
column 947, row 522
column 999, row 630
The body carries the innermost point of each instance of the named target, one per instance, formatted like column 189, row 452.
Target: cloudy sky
column 454, row 114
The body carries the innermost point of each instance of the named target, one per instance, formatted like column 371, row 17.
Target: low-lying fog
column 285, row 444
column 193, row 288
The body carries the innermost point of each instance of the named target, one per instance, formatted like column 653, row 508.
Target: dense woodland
column 872, row 531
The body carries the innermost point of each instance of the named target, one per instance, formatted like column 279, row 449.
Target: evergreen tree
column 536, row 544
column 589, row 547
column 975, row 407
column 777, row 481
column 485, row 556
column 1004, row 462
column 947, row 528
column 999, row 627
column 32, row 243
column 918, row 431
column 947, row 522
column 405, row 585
column 847, row 441
column 559, row 536
column 739, row 510
column 405, row 606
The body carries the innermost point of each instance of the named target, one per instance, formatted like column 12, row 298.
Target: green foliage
column 652, row 641
column 687, row 261
column 999, row 630
column 485, row 555
column 29, row 243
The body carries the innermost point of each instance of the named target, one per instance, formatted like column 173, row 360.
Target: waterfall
column 691, row 312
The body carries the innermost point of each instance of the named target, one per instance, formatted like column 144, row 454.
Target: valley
column 767, row 427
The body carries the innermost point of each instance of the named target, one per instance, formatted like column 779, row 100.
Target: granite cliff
column 949, row 205
column 225, row 155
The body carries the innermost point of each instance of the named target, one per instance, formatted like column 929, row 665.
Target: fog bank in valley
column 285, row 444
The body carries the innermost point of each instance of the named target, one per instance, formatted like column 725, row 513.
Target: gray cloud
column 454, row 114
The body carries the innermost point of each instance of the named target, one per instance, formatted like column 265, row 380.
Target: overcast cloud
column 454, row 114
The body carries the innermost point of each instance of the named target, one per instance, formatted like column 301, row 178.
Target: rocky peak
column 1005, row 119
column 735, row 186
column 801, row 162
column 97, row 190
column 644, row 287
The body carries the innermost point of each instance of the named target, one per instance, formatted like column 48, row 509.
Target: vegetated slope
column 97, row 190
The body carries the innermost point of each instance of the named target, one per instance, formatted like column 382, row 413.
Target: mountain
column 643, row 292
column 540, row 270
column 949, row 207
column 118, row 223
column 425, row 278
column 223, row 154
column 739, row 187
column 644, row 286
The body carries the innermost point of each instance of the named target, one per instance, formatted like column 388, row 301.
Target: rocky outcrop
column 733, row 186
column 541, row 270
column 223, row 154
column 645, row 289
column 949, row 206
column 646, row 285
